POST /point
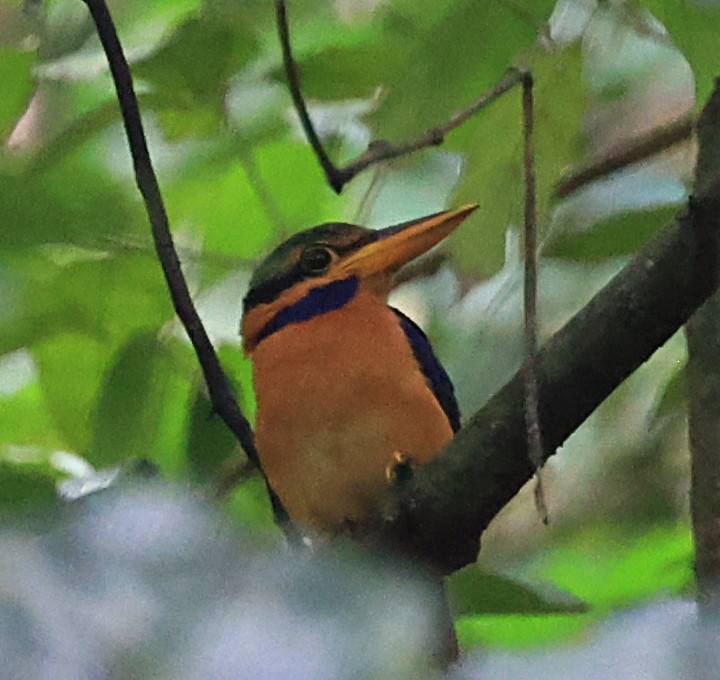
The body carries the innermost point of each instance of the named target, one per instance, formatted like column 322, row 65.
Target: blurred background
column 95, row 371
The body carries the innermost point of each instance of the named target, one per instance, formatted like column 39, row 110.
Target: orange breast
column 337, row 396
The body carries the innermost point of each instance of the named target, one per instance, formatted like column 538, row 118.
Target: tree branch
column 441, row 512
column 703, row 372
column 331, row 172
column 221, row 396
column 703, row 332
column 378, row 150
column 636, row 150
column 530, row 377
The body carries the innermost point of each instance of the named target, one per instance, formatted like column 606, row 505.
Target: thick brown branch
column 379, row 150
column 448, row 503
column 646, row 146
column 221, row 396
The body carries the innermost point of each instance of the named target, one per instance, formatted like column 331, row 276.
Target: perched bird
column 346, row 386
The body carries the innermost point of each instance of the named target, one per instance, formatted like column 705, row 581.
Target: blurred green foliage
column 93, row 363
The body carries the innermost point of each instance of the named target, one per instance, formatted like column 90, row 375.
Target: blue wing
column 436, row 376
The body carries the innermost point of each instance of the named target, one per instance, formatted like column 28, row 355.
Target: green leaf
column 211, row 447
column 673, row 397
column 341, row 61
column 519, row 631
column 18, row 86
column 474, row 591
column 70, row 368
column 233, row 201
column 72, row 50
column 176, row 68
column 250, row 504
column 217, row 201
column 608, row 567
column 66, row 202
column 141, row 409
column 619, row 235
column 239, row 370
column 493, row 145
column 84, row 292
column 453, row 57
column 25, row 421
column 708, row 133
column 25, row 489
column 190, row 73
column 694, row 26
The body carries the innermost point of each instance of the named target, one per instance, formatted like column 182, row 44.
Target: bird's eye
column 315, row 260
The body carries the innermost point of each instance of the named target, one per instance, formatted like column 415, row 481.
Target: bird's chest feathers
column 336, row 364
column 338, row 396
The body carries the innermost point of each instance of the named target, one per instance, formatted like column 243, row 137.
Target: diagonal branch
column 221, row 397
column 381, row 150
column 636, row 150
column 487, row 462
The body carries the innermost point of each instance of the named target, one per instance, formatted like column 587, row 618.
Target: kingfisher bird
column 346, row 386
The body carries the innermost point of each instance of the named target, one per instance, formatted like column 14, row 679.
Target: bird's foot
column 400, row 469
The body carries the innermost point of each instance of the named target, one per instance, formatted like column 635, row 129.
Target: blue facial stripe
column 435, row 374
column 320, row 300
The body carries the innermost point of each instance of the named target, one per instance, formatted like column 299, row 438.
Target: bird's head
column 321, row 269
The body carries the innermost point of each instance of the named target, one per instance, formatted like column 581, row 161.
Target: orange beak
column 399, row 244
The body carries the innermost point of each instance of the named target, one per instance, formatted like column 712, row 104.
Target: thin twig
column 654, row 142
column 378, row 150
column 147, row 183
column 234, row 475
column 382, row 150
column 294, row 84
column 221, row 396
column 532, row 392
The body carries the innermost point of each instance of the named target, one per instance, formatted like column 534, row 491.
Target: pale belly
column 338, row 396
